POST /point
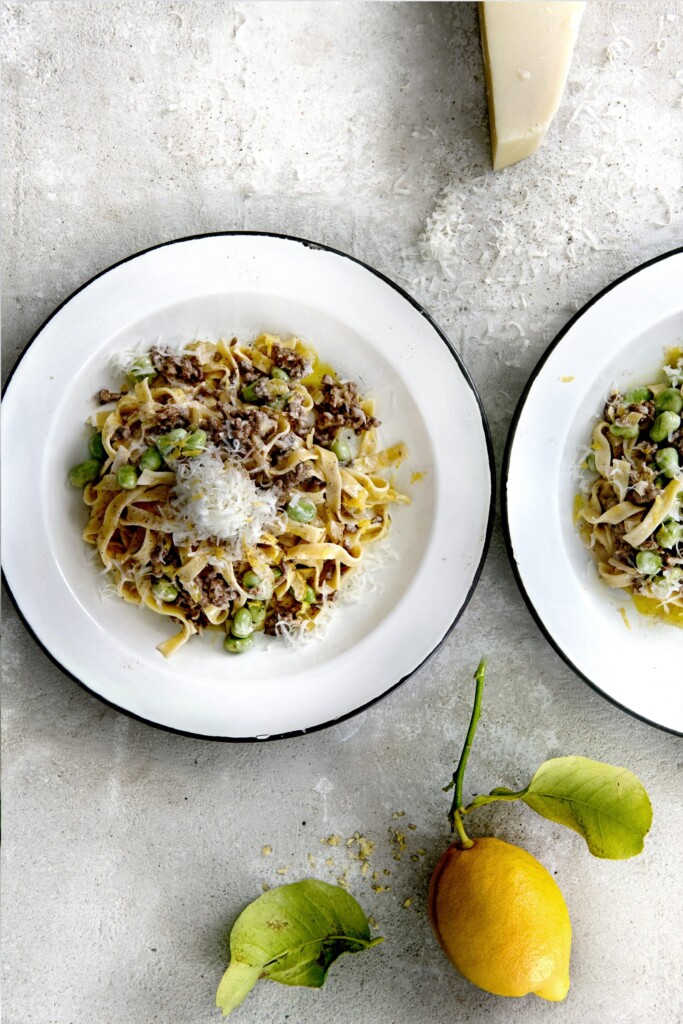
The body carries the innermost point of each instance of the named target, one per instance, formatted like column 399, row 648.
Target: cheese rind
column 527, row 49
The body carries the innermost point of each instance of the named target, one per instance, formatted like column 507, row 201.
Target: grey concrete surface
column 128, row 851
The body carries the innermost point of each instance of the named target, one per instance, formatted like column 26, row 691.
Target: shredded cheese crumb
column 217, row 499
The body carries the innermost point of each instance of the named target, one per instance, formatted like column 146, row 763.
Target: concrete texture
column 129, row 851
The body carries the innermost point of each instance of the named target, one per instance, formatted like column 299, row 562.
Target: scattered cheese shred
column 217, row 499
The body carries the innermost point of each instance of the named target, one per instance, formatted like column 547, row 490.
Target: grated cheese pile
column 217, row 499
column 502, row 259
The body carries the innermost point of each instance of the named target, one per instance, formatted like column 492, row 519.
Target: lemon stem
column 464, row 840
column 454, row 815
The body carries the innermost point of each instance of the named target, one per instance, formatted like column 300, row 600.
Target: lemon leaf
column 608, row 806
column 292, row 934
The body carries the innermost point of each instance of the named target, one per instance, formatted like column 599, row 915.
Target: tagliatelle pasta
column 235, row 485
column 631, row 512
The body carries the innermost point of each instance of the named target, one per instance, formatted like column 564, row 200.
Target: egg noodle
column 235, row 485
column 631, row 511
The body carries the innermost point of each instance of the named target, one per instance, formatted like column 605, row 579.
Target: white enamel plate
column 620, row 337
column 370, row 331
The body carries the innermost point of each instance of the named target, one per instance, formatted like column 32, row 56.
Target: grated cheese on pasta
column 217, row 499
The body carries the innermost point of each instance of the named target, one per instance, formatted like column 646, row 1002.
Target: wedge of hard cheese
column 527, row 53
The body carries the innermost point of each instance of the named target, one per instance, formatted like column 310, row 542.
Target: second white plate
column 620, row 336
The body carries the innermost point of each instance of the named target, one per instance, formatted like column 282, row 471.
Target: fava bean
column 251, row 580
column 669, row 534
column 665, row 424
column 238, row 644
column 127, row 477
column 277, row 373
column 667, row 461
column 648, row 562
column 624, row 430
column 341, row 449
column 669, row 400
column 636, row 396
column 259, row 588
column 194, row 443
column 164, row 590
column 242, row 624
column 151, row 459
column 96, row 448
column 301, row 510
column 170, row 440
column 84, row 472
column 257, row 610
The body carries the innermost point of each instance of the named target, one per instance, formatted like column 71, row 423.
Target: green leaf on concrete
column 608, row 806
column 292, row 934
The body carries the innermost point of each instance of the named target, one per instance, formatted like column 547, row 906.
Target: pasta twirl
column 631, row 512
column 235, row 485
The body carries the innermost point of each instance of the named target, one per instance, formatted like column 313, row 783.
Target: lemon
column 502, row 920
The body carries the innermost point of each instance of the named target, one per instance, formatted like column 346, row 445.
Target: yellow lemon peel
column 501, row 920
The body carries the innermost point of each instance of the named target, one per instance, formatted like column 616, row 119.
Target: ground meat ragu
column 249, row 373
column 186, row 368
column 677, row 441
column 245, row 426
column 647, row 413
column 293, row 479
column 290, row 361
column 339, row 408
column 649, row 493
column 283, row 446
column 104, row 396
column 192, row 610
column 327, row 571
column 278, row 616
column 297, row 416
column 169, row 417
column 214, row 587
